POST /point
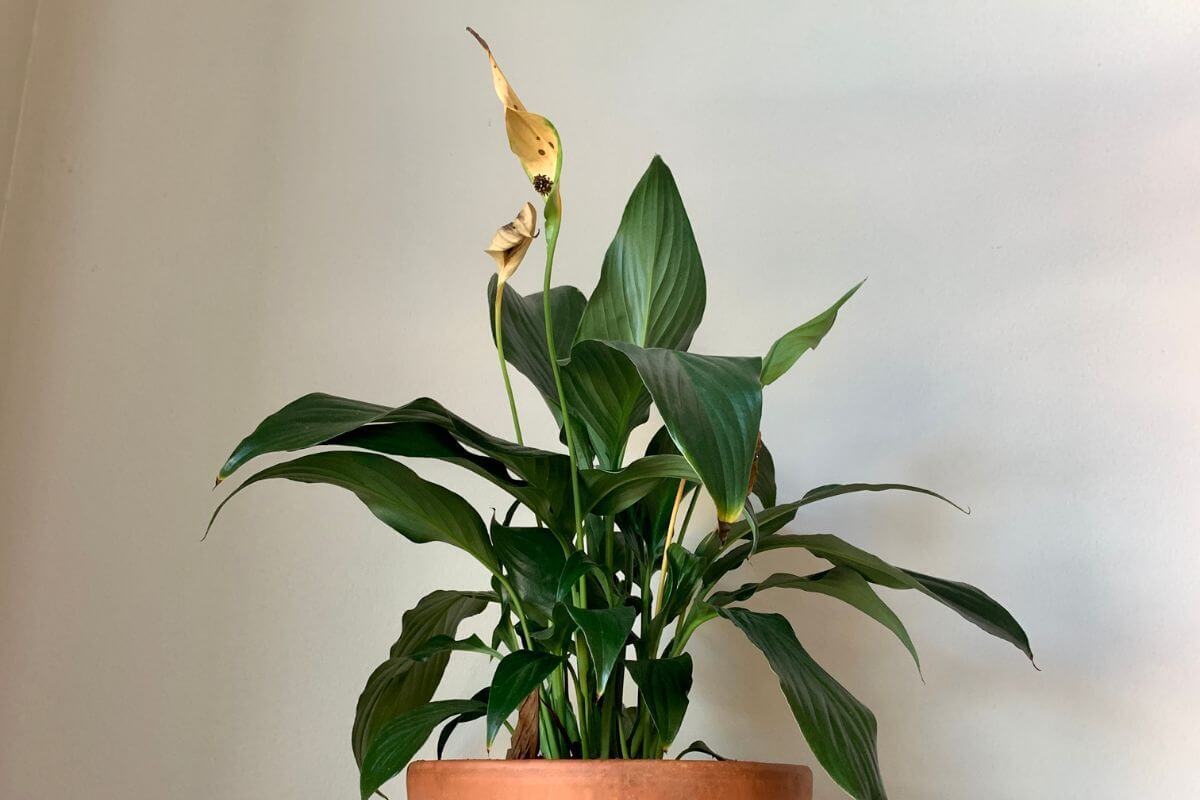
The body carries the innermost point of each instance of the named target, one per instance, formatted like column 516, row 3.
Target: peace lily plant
column 595, row 592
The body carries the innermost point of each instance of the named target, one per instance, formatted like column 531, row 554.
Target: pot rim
column 593, row 763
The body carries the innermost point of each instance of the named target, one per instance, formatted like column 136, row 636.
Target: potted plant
column 594, row 587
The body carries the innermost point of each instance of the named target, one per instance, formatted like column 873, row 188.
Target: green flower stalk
column 508, row 248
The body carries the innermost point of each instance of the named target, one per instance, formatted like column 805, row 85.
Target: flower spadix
column 511, row 242
column 532, row 138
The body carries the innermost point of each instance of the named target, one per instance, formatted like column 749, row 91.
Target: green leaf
column 712, row 407
column 606, row 493
column 969, row 602
column 577, row 566
column 402, row 683
column 444, row 643
column 415, row 508
column 773, row 519
column 976, row 607
column 605, row 631
column 665, row 683
column 525, row 331
column 469, row 716
column 399, row 740
column 796, row 342
column 606, row 394
column 839, row 729
column 312, row 419
column 651, row 289
column 422, row 429
column 699, row 747
column 516, row 676
column 843, row 583
column 535, row 560
column 683, row 578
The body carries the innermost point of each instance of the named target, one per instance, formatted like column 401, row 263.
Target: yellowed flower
column 532, row 137
column 511, row 242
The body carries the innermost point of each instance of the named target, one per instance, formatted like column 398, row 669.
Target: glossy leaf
column 607, row 395
column 402, row 683
column 839, row 729
column 525, row 331
column 976, row 607
column 612, row 492
column 788, row 348
column 399, row 740
column 764, row 478
column 699, row 747
column 579, row 565
column 417, row 509
column 712, row 406
column 664, row 684
column 535, row 560
column 843, row 583
column 516, row 676
column 651, row 291
column 604, row 632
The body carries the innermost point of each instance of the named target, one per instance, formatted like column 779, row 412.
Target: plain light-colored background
column 216, row 207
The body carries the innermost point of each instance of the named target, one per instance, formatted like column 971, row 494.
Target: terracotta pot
column 607, row 780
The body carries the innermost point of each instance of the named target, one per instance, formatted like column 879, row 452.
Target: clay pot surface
column 607, row 780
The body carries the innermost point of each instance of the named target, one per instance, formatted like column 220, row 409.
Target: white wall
column 219, row 206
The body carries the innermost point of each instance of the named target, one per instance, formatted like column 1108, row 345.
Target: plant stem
column 499, row 324
column 662, row 573
column 553, row 217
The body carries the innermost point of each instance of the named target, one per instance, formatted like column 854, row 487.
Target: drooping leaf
column 648, row 517
column 839, row 729
column 535, row 560
column 422, row 429
column 401, row 683
column 400, row 739
column 796, row 342
column 525, row 331
column 516, row 676
column 699, row 747
column 651, row 291
column 664, row 683
column 712, row 407
column 969, row 602
column 774, row 518
column 445, row 643
column 417, row 509
column 604, row 631
column 469, row 716
column 683, row 578
column 843, row 583
column 976, row 607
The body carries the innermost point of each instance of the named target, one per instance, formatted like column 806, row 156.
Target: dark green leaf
column 525, row 331
column 579, row 565
column 535, row 560
column 481, row 697
column 699, row 747
column 401, row 683
column 664, row 683
column 796, row 342
column 712, row 407
column 516, row 676
column 976, row 607
column 607, row 493
column 444, row 643
column 683, row 578
column 399, row 740
column 651, row 289
column 605, row 631
column 417, row 509
column 606, row 394
column 839, row 729
column 843, row 583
